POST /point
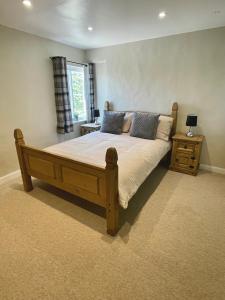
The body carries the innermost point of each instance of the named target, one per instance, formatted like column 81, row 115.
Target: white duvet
column 136, row 157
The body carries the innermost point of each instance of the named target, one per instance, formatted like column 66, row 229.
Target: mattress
column 136, row 157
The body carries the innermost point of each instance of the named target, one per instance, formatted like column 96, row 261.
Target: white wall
column 151, row 74
column 27, row 92
column 147, row 75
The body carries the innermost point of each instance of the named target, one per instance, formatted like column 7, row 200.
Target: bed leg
column 112, row 201
column 19, row 141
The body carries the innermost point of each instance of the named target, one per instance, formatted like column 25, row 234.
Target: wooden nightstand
column 89, row 127
column 186, row 153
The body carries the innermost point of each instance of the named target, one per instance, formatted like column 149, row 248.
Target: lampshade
column 191, row 120
column 96, row 113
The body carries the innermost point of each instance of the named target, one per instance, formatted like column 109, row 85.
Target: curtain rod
column 74, row 62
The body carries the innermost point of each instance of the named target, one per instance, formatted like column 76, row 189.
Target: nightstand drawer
column 182, row 158
column 185, row 160
column 185, row 147
column 184, row 168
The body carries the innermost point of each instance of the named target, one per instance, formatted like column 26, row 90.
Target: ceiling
column 114, row 21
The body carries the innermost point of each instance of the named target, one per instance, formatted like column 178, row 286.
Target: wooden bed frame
column 95, row 184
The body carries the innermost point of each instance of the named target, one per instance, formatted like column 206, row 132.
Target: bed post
column 19, row 141
column 174, row 116
column 112, row 201
column 107, row 105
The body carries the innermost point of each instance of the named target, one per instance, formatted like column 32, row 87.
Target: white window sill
column 79, row 122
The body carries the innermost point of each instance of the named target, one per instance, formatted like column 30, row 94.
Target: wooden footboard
column 97, row 185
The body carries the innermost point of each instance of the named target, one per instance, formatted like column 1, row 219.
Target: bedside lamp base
column 189, row 132
column 96, row 121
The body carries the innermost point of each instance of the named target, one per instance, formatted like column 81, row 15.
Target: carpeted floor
column 171, row 244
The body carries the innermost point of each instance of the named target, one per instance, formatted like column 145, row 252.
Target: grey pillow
column 145, row 125
column 112, row 122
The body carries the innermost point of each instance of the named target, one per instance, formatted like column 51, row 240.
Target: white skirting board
column 9, row 177
column 212, row 169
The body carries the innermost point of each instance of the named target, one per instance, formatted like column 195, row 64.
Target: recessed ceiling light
column 162, row 15
column 90, row 28
column 27, row 3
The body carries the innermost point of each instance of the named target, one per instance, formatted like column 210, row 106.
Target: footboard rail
column 92, row 183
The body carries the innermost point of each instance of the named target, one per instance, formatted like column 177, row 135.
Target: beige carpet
column 171, row 245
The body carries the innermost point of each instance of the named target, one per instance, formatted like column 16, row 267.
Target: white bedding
column 136, row 157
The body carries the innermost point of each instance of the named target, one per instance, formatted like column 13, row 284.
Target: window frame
column 73, row 67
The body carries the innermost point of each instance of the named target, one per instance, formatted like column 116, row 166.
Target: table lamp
column 96, row 115
column 191, row 122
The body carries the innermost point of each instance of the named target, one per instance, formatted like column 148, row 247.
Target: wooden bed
column 95, row 184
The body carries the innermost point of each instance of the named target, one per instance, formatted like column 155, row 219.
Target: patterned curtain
column 92, row 90
column 62, row 101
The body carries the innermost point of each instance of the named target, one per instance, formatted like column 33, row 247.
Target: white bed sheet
column 136, row 157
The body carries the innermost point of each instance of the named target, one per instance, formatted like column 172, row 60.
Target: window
column 77, row 92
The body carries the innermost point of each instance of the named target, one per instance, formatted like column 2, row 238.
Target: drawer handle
column 192, row 157
column 185, row 146
column 191, row 167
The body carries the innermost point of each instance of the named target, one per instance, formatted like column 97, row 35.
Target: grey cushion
column 112, row 122
column 145, row 125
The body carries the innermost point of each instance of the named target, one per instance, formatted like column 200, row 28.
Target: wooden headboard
column 173, row 114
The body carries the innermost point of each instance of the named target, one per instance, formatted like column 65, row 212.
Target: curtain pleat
column 62, row 100
column 92, row 90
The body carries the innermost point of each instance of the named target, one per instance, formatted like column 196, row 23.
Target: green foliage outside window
column 78, row 95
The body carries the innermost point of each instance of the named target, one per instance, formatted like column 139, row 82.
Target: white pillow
column 164, row 128
column 127, row 121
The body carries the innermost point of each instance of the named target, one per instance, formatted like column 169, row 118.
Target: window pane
column 76, row 83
